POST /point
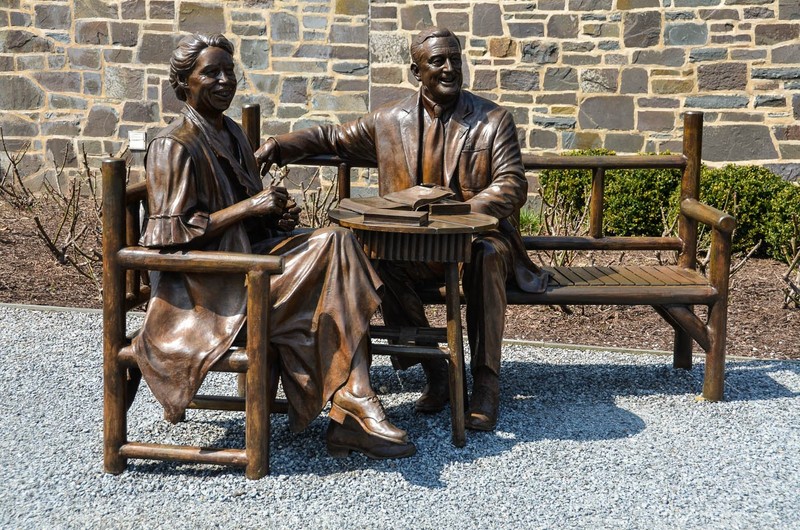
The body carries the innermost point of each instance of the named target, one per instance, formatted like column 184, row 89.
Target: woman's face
column 212, row 83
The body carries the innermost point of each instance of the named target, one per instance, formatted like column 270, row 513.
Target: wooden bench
column 672, row 291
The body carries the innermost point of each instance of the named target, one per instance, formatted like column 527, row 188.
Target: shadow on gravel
column 539, row 402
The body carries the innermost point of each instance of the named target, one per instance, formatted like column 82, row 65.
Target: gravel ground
column 586, row 439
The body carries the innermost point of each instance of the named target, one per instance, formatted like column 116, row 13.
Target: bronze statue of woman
column 204, row 192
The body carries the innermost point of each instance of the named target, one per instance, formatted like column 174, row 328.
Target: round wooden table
column 446, row 239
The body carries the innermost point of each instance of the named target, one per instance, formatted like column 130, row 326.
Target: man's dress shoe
column 368, row 412
column 436, row 394
column 349, row 436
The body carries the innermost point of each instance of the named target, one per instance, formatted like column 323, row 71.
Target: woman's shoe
column 349, row 436
column 369, row 414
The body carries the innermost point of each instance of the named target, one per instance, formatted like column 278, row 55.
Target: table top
column 471, row 223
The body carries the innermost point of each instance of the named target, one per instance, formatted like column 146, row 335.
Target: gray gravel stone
column 586, row 439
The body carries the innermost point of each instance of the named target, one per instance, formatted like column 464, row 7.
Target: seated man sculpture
column 442, row 135
column 204, row 192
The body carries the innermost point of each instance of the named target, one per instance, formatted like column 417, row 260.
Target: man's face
column 212, row 83
column 439, row 69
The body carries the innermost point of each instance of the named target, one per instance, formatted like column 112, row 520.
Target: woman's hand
column 271, row 202
column 290, row 218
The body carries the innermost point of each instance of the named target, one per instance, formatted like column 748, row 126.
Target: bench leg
column 115, row 422
column 714, row 381
column 682, row 350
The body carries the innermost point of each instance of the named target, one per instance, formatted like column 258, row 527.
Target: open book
column 399, row 205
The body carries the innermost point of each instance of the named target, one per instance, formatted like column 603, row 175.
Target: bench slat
column 614, row 276
column 693, row 276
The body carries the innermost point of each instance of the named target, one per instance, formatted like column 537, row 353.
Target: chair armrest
column 716, row 219
column 197, row 261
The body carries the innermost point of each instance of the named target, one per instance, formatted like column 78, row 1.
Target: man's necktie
column 433, row 150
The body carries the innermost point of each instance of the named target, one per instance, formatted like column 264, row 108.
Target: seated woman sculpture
column 204, row 192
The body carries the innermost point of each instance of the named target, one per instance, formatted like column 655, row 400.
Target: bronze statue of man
column 204, row 192
column 442, row 135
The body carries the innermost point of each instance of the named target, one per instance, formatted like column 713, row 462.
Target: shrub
column 572, row 186
column 783, row 227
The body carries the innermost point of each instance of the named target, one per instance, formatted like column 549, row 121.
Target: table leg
column 455, row 341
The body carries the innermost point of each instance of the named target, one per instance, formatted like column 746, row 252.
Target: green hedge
column 766, row 207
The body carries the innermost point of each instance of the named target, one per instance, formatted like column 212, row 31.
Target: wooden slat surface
column 624, row 276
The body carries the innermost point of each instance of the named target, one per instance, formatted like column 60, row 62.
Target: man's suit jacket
column 482, row 160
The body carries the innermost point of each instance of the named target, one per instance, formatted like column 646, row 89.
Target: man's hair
column 429, row 33
column 185, row 56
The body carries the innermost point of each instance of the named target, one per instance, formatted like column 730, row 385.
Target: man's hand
column 267, row 154
column 271, row 202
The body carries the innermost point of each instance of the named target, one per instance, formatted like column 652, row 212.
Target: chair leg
column 455, row 340
column 115, row 422
column 682, row 350
column 257, row 427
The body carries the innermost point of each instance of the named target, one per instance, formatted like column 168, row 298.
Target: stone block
column 526, row 30
column 52, row 16
column 669, row 57
column 315, row 23
column 790, row 151
column 62, row 150
column 562, row 27
column 124, row 83
column 698, row 55
column 655, row 121
column 249, row 30
column 169, row 101
column 387, row 75
column 102, row 121
column 770, row 101
column 61, row 126
column 162, row 9
column 6, row 63
column 484, row 80
column 788, row 9
column 561, row 79
column 294, row 90
column 502, row 47
column 641, row 29
column 685, row 34
column 134, row 10
column 322, row 83
column 769, row 34
column 625, row 5
column 95, row 9
column 350, row 52
column 731, row 39
column 557, row 99
column 486, row 20
column 788, row 132
column 389, row 48
column 789, row 172
column 351, row 68
column 785, row 74
column 339, row 103
column 347, row 34
column 634, row 81
column 92, row 84
column 30, row 62
column 789, row 54
column 581, row 140
column 581, row 59
column 733, row 143
column 457, row 22
column 61, row 101
column 124, row 33
column 381, row 95
column 717, row 102
column 758, row 13
column 91, row 32
column 607, row 112
column 254, row 54
column 577, row 47
column 383, row 11
column 140, row 111
column 624, row 143
column 415, row 18
column 20, row 19
column 722, row 76
column 201, row 17
column 747, row 2
column 539, row 52
column 17, row 126
column 602, row 30
column 542, row 139
column 59, row 81
column 748, row 55
column 19, row 41
column 156, row 48
column 796, row 106
column 284, row 27
column 519, row 79
column 351, row 7
column 118, row 56
column 739, row 117
column 551, row 5
column 719, row 14
column 599, row 80
column 554, row 122
column 352, row 85
column 589, row 5
column 84, row 58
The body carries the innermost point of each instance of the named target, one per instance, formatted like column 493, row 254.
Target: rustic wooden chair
column 123, row 262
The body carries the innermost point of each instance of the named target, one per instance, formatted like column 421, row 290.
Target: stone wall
column 79, row 75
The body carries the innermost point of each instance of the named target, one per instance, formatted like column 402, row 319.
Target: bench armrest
column 198, row 261
column 716, row 219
